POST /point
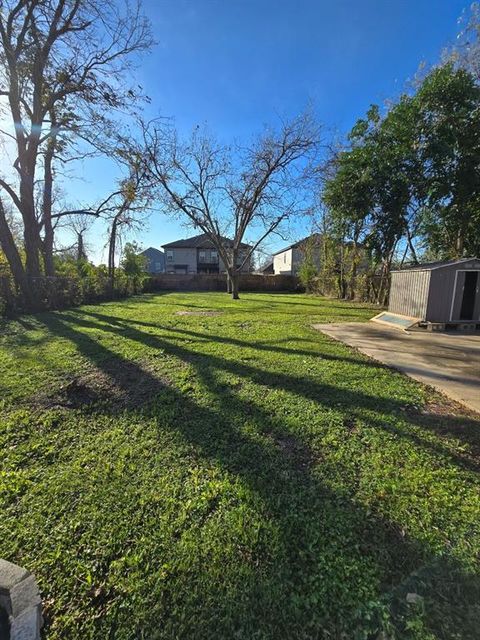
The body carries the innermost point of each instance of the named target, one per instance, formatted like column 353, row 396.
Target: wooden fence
column 218, row 282
column 62, row 292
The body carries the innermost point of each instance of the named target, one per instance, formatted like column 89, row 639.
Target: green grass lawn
column 232, row 476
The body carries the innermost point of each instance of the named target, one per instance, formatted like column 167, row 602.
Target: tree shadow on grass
column 270, row 346
column 353, row 402
column 332, row 568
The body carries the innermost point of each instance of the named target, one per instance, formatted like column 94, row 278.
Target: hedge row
column 87, row 285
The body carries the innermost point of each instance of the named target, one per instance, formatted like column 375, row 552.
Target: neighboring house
column 266, row 268
column 155, row 260
column 288, row 260
column 199, row 255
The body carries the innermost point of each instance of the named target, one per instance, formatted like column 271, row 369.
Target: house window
column 170, row 255
column 201, row 256
column 158, row 266
column 214, row 255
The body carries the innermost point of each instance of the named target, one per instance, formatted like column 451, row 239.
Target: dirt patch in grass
column 198, row 313
column 297, row 452
column 350, row 424
column 124, row 385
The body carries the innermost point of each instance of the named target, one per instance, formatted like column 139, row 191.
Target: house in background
column 288, row 261
column 266, row 268
column 155, row 260
column 199, row 255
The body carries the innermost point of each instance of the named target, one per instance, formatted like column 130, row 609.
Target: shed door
column 467, row 296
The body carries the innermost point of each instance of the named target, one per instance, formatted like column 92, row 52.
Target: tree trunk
column 353, row 278
column 32, row 246
column 234, row 279
column 111, row 254
column 460, row 244
column 81, row 255
column 27, row 146
column 48, row 250
column 411, row 247
column 234, row 274
column 31, row 232
column 47, row 210
column 341, row 276
column 13, row 257
column 229, row 283
column 383, row 289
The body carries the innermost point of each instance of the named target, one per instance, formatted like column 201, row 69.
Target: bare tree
column 126, row 208
column 62, row 63
column 465, row 53
column 79, row 225
column 232, row 191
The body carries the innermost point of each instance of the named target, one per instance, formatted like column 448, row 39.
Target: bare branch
column 64, row 66
column 224, row 190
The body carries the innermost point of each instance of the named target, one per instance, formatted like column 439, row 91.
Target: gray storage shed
column 438, row 291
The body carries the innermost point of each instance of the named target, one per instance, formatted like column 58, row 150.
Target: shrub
column 134, row 266
column 307, row 275
column 76, row 282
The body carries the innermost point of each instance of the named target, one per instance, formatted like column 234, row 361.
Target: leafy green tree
column 134, row 264
column 308, row 270
column 449, row 142
column 410, row 179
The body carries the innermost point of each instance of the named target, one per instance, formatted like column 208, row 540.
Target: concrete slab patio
column 448, row 362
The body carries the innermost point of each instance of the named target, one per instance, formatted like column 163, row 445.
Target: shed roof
column 430, row 266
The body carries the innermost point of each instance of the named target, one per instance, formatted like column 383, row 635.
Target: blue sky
column 235, row 64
